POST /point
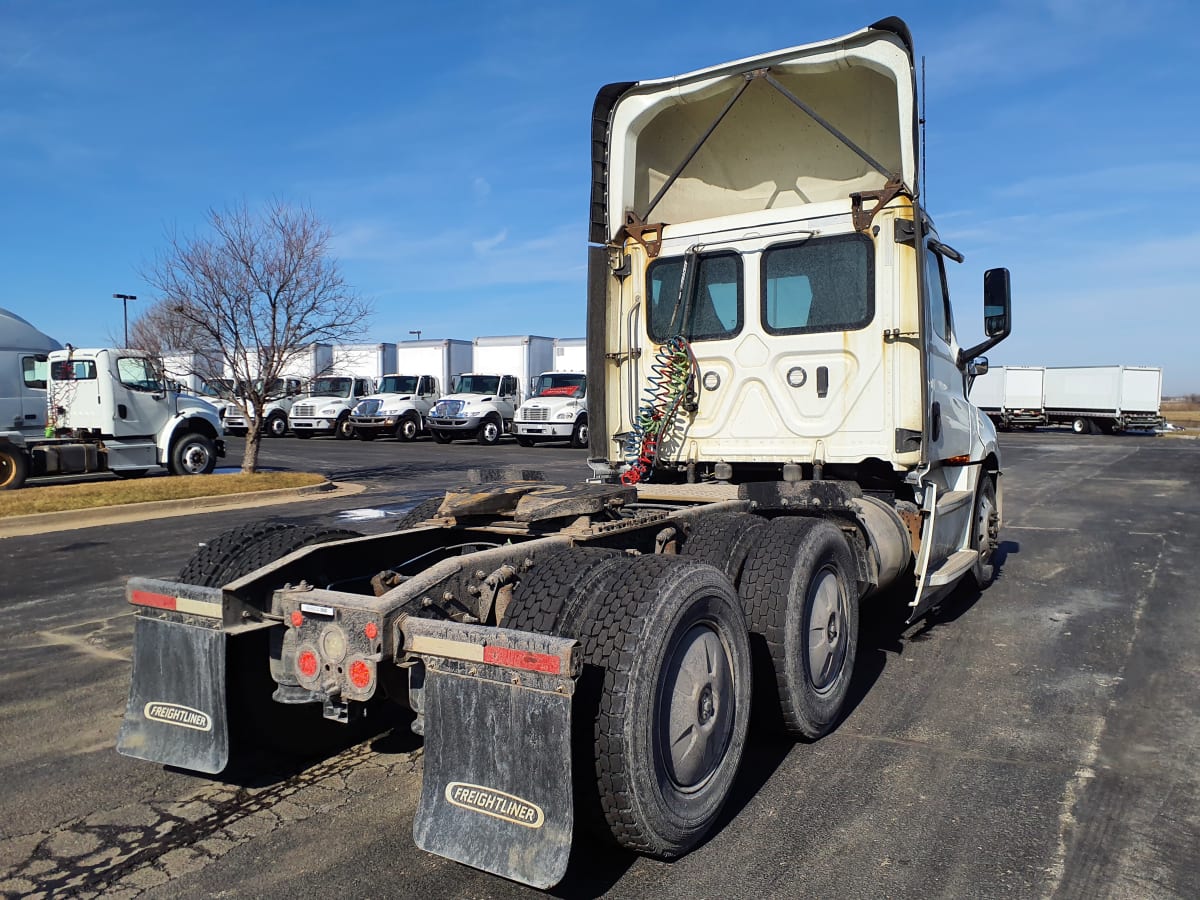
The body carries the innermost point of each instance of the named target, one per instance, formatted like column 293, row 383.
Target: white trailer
column 987, row 392
column 192, row 369
column 309, row 361
column 570, row 354
column 1104, row 399
column 524, row 355
column 364, row 360
column 441, row 358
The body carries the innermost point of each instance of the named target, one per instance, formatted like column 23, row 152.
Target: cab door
column 951, row 423
column 139, row 407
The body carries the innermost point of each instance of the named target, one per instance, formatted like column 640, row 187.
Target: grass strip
column 60, row 497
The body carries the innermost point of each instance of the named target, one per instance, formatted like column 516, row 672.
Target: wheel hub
column 826, row 651
column 696, row 708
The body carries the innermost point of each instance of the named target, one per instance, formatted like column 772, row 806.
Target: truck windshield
column 559, row 385
column 331, row 387
column 276, row 389
column 219, row 387
column 398, row 384
column 476, row 384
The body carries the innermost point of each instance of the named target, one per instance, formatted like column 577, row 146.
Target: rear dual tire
column 663, row 705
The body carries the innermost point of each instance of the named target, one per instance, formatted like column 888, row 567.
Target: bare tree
column 262, row 287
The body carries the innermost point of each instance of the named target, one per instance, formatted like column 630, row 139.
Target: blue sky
column 447, row 146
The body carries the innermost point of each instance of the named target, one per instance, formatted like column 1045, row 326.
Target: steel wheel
column 193, row 454
column 579, row 436
column 489, row 432
column 276, row 425
column 696, row 711
column 344, row 428
column 825, row 634
column 985, row 531
column 408, row 429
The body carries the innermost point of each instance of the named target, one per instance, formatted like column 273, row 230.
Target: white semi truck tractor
column 99, row 410
column 779, row 428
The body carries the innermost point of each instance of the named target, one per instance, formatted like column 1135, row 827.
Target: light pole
column 125, row 298
column 417, row 333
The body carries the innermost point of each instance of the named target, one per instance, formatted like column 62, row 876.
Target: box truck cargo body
column 305, row 362
column 570, row 354
column 364, row 360
column 524, row 355
column 441, row 358
column 1094, row 399
column 192, row 369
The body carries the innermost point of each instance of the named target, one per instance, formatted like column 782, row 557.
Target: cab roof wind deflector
column 765, row 75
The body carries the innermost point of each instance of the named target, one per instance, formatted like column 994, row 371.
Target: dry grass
column 1184, row 413
column 59, row 497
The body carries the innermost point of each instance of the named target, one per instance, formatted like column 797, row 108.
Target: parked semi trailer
column 1104, row 399
column 779, row 428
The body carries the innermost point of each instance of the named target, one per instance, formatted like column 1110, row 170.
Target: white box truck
column 364, row 360
column 1104, row 399
column 556, row 410
column 570, row 354
column 192, row 369
column 443, row 359
column 525, row 355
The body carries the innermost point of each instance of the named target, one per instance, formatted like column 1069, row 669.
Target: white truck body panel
column 308, row 361
column 1141, row 389
column 441, row 358
column 525, row 356
column 364, row 360
column 1075, row 389
column 570, row 354
column 191, row 368
column 987, row 391
column 1023, row 387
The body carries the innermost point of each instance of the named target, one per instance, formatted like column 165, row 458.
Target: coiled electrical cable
column 671, row 383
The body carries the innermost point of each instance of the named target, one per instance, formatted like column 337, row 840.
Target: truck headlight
column 566, row 414
column 330, row 411
column 473, row 413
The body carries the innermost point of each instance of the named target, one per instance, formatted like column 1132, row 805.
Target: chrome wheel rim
column 195, row 459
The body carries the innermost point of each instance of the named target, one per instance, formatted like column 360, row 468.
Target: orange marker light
column 372, row 631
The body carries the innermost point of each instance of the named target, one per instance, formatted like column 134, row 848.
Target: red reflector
column 360, row 674
column 158, row 601
column 306, row 662
column 519, row 659
column 297, row 618
column 371, row 631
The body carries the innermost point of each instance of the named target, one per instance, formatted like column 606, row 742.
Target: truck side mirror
column 978, row 366
column 997, row 303
column 997, row 314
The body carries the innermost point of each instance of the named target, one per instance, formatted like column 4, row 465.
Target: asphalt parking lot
column 1039, row 740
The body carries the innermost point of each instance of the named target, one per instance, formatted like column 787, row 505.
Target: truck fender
column 180, row 424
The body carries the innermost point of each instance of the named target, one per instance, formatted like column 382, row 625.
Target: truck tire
column 525, row 441
column 550, row 599
column 724, row 541
column 800, row 593
column 343, row 429
column 579, row 434
column 277, row 424
column 985, row 531
column 424, row 510
column 489, row 431
column 408, row 429
column 241, row 550
column 1081, row 426
column 14, row 468
column 193, row 453
column 668, row 656
column 443, row 437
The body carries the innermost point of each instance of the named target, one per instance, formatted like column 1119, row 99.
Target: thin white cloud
column 487, row 245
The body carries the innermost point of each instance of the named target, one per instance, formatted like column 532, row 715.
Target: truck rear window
column 73, row 369
column 714, row 312
column 821, row 284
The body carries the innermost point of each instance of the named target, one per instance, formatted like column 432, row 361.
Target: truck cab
column 479, row 406
column 326, row 407
column 400, row 407
column 281, row 397
column 555, row 411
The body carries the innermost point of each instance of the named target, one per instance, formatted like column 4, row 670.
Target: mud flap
column 496, row 792
column 176, row 713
